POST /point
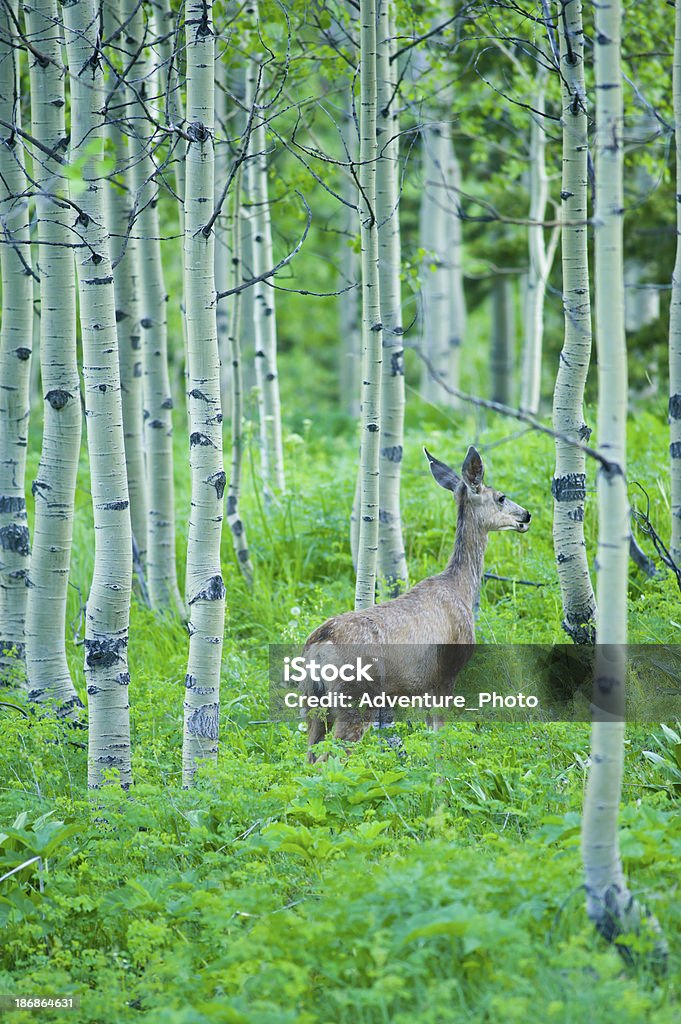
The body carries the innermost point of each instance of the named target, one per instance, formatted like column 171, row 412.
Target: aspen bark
column 49, row 676
column 120, row 201
column 153, row 299
column 264, row 309
column 538, row 269
column 610, row 905
column 675, row 319
column 108, row 605
column 503, row 340
column 349, row 314
column 569, row 481
column 205, row 587
column 224, row 259
column 392, row 562
column 435, row 322
column 15, row 365
column 234, row 520
column 372, row 330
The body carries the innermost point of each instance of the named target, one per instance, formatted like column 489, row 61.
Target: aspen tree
column 610, row 904
column 205, row 587
column 503, row 339
column 120, row 199
column 392, row 562
column 15, row 361
column 434, row 240
column 49, row 676
column 108, row 605
column 372, row 330
column 349, row 315
column 264, row 309
column 224, row 260
column 234, row 520
column 540, row 259
column 158, row 403
column 675, row 318
column 569, row 481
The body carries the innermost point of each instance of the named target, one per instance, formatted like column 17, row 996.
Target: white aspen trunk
column 435, row 277
column 675, row 320
column 108, row 605
column 610, row 904
column 503, row 339
column 15, row 365
column 120, row 199
column 49, row 677
column 538, row 268
column 168, row 48
column 569, row 481
column 205, row 587
column 372, row 330
column 392, row 561
column 456, row 290
column 224, row 266
column 234, row 520
column 349, row 314
column 264, row 310
column 164, row 593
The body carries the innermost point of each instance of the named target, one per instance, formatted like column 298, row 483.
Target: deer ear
column 444, row 475
column 473, row 470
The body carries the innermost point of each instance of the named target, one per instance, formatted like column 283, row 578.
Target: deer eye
column 501, row 499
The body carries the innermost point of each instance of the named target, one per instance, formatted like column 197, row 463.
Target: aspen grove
column 255, row 260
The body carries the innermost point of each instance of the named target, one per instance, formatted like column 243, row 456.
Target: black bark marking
column 231, row 504
column 372, row 427
column 15, row 538
column 218, row 480
column 12, row 504
column 214, row 590
column 37, row 488
column 104, row 653
column 197, row 131
column 244, row 555
column 397, row 363
column 237, row 527
column 571, row 487
column 155, row 424
column 198, row 438
column 123, row 679
column 167, row 403
column 195, row 393
column 204, row 721
column 23, row 354
column 114, row 506
column 58, row 398
column 674, row 407
column 577, row 514
column 393, row 453
column 146, row 322
column 675, row 450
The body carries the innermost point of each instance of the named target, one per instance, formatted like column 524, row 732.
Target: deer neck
column 465, row 567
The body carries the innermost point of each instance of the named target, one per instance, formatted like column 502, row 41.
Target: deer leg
column 350, row 730
column 317, row 728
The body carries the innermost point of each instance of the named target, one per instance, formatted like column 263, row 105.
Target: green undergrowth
column 440, row 882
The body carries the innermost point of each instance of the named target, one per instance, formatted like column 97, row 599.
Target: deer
column 435, row 618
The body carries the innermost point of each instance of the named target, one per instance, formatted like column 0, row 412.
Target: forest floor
column 437, row 883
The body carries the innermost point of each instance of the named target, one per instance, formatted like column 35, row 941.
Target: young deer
column 435, row 613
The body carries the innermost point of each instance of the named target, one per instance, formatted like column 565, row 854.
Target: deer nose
column 528, row 516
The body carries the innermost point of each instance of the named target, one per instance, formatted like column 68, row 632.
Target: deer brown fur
column 435, row 613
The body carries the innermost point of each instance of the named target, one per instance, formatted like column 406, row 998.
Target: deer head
column 491, row 509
